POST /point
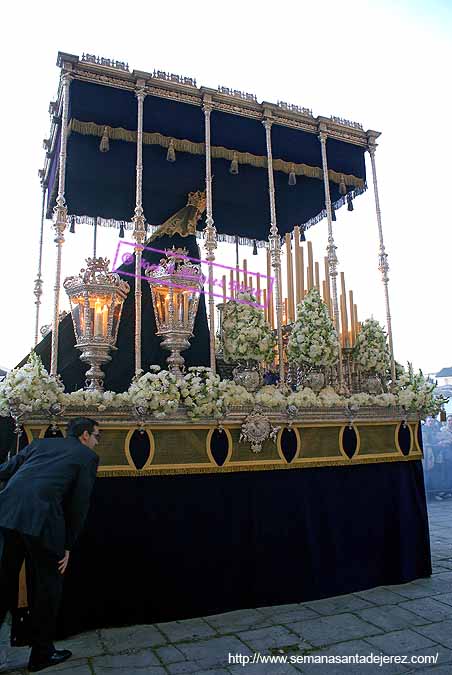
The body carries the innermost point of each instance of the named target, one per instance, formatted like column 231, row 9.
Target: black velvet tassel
column 254, row 247
column 121, row 231
column 442, row 415
column 333, row 213
column 349, row 202
column 234, row 168
column 302, row 235
column 171, row 154
column 72, row 227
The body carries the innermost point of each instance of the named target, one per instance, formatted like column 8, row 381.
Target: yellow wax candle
column 311, row 266
column 98, row 318
column 231, row 284
column 105, row 320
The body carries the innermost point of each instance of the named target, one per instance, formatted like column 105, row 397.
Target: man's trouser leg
column 10, row 564
column 46, row 586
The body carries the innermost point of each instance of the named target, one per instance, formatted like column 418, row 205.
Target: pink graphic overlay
column 124, row 255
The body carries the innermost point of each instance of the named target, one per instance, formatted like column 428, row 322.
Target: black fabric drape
column 171, row 547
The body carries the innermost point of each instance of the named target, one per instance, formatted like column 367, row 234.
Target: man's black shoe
column 56, row 657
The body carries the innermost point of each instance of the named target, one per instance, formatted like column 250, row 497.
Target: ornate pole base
column 176, row 344
column 95, row 355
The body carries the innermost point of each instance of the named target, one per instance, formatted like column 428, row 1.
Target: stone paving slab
column 85, row 645
column 440, row 632
column 262, row 639
column 391, row 617
column 429, row 608
column 293, row 613
column 242, row 619
column 213, row 652
column 359, row 647
column 177, row 631
column 131, row 637
column 380, row 596
column 338, row 604
column 330, row 629
column 264, row 669
column 406, row 619
column 401, row 642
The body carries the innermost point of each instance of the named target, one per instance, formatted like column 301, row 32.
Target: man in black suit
column 42, row 511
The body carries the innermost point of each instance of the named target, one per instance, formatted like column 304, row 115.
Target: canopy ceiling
column 102, row 184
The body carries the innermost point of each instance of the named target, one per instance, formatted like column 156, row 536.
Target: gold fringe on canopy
column 217, row 152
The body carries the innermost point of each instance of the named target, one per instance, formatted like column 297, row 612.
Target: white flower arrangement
column 371, row 349
column 361, row 399
column 157, row 392
column 303, row 398
column 313, row 341
column 247, row 336
column 96, row 399
column 234, row 395
column 385, row 400
column 270, row 396
column 328, row 398
column 200, row 392
column 415, row 392
column 30, row 388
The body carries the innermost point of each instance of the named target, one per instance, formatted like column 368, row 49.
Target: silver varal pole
column 331, row 250
column 60, row 222
column 38, row 281
column 383, row 265
column 210, row 235
column 275, row 249
column 139, row 232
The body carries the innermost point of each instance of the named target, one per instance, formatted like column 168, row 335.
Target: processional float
column 167, row 164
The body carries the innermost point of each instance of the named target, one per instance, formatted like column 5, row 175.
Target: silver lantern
column 176, row 284
column 96, row 297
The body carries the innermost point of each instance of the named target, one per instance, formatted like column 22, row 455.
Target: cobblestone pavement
column 412, row 619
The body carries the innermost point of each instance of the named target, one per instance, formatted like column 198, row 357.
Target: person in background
column 42, row 511
column 429, row 434
column 444, row 443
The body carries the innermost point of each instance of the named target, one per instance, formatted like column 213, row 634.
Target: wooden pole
column 264, row 293
column 345, row 324
column 245, row 275
column 311, row 266
column 290, row 293
column 299, row 273
column 352, row 320
column 224, row 288
column 271, row 319
column 258, row 287
column 317, row 276
column 342, row 309
column 231, row 283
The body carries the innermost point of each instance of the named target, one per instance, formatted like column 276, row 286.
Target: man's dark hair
column 77, row 426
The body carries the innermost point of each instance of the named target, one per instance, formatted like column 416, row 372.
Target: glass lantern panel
column 99, row 306
column 78, row 315
column 160, row 297
column 117, row 311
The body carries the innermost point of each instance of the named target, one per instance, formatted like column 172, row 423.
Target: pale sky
column 384, row 64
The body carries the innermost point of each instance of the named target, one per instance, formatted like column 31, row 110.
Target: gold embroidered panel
column 189, row 448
